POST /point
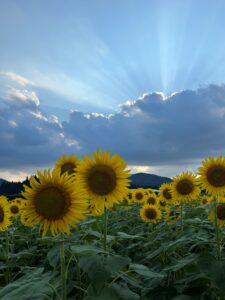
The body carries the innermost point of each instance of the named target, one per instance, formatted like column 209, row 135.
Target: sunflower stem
column 63, row 267
column 105, row 229
column 181, row 214
column 217, row 230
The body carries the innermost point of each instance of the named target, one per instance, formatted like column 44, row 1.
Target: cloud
column 29, row 138
column 23, row 98
column 158, row 130
column 155, row 133
column 17, row 78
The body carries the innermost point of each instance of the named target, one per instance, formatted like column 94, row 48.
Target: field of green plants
column 142, row 261
column 127, row 249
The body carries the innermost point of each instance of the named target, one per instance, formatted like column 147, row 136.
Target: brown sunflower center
column 151, row 213
column 139, row 196
column 51, row 203
column 1, row 214
column 216, row 176
column 151, row 200
column 204, row 201
column 68, row 167
column 185, row 187
column 167, row 194
column 221, row 212
column 162, row 203
column 14, row 209
column 102, row 180
column 129, row 196
column 125, row 200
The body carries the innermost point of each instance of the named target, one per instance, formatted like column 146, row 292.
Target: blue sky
column 94, row 57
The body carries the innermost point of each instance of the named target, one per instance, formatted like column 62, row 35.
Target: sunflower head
column 14, row 208
column 139, row 195
column 205, row 200
column 126, row 203
column 54, row 201
column 104, row 178
column 151, row 199
column 5, row 215
column 150, row 191
column 95, row 211
column 172, row 216
column 130, row 196
column 184, row 187
column 212, row 175
column 67, row 164
column 220, row 211
column 165, row 193
column 150, row 213
column 162, row 203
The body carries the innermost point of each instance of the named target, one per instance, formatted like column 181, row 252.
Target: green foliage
column 142, row 261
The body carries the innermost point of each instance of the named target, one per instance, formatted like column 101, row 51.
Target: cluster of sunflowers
column 206, row 188
column 73, row 190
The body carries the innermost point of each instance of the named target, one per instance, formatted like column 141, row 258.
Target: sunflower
column 212, row 175
column 139, row 195
column 104, row 178
column 172, row 215
column 126, row 203
column 205, row 200
column 67, row 164
column 18, row 201
column 95, row 211
column 150, row 191
column 5, row 216
column 130, row 196
column 55, row 201
column 162, row 203
column 220, row 210
column 151, row 199
column 150, row 213
column 14, row 208
column 165, row 193
column 184, row 187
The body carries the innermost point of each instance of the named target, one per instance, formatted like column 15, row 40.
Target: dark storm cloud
column 153, row 130
column 186, row 126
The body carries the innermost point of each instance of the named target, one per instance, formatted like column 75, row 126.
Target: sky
column 144, row 79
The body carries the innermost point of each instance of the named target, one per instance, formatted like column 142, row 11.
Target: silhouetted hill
column 148, row 180
column 14, row 189
column 1, row 181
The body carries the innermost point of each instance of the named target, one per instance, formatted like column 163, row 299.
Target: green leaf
column 124, row 293
column 86, row 250
column 183, row 262
column 145, row 271
column 117, row 263
column 214, row 270
column 124, row 235
column 33, row 286
column 54, row 256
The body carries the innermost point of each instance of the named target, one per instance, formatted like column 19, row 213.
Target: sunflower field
column 78, row 232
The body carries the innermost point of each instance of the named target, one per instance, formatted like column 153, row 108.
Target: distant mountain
column 148, row 180
column 1, row 181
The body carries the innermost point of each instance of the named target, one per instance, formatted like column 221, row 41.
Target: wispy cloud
column 17, row 78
